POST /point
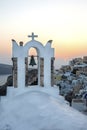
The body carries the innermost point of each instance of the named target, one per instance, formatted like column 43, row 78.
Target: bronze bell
column 32, row 61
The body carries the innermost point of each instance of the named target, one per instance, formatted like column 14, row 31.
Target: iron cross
column 32, row 36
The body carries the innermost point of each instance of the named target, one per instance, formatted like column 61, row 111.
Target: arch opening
column 32, row 77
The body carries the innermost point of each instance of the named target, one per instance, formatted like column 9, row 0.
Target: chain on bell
column 32, row 61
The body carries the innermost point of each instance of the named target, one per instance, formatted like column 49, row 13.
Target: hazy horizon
column 57, row 63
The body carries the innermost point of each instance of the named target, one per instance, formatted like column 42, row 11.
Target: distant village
column 72, row 80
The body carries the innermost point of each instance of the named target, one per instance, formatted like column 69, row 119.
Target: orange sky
column 65, row 22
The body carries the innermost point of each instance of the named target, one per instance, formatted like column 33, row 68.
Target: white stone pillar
column 21, row 72
column 47, row 71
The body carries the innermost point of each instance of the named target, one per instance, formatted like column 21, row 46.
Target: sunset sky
column 63, row 21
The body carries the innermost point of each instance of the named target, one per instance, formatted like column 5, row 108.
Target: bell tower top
column 32, row 36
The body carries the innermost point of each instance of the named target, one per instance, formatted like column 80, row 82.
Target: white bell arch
column 46, row 62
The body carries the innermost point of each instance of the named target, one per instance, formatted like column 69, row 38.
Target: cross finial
column 32, row 36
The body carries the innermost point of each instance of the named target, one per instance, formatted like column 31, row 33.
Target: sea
column 3, row 79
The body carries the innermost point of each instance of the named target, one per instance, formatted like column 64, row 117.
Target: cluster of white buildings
column 73, row 77
column 72, row 82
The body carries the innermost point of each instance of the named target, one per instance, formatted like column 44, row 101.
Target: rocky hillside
column 32, row 80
